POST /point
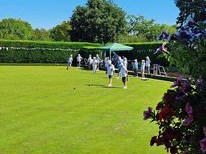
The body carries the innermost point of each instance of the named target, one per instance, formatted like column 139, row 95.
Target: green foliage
column 45, row 44
column 140, row 29
column 61, row 32
column 41, row 35
column 15, row 29
column 191, row 6
column 143, row 49
column 39, row 51
column 181, row 117
column 99, row 21
column 58, row 52
column 189, row 61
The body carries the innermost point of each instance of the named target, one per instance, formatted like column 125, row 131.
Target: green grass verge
column 53, row 110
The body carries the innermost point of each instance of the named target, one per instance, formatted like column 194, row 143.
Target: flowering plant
column 181, row 116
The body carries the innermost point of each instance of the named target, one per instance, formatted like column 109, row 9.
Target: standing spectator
column 98, row 61
column 143, row 69
column 110, row 72
column 69, row 62
column 147, row 64
column 94, row 65
column 89, row 62
column 106, row 63
column 124, row 74
column 79, row 59
column 135, row 67
column 125, row 61
column 119, row 66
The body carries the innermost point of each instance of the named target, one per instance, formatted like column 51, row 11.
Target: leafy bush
column 58, row 52
column 143, row 49
column 39, row 52
column 181, row 117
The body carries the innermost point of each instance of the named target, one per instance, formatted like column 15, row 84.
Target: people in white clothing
column 98, row 61
column 135, row 67
column 69, row 61
column 143, row 69
column 147, row 64
column 119, row 65
column 124, row 75
column 79, row 59
column 110, row 72
column 94, row 65
column 125, row 61
column 89, row 62
column 106, row 61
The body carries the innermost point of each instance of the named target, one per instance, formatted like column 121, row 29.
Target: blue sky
column 48, row 13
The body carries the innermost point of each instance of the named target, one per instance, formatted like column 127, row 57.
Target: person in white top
column 110, row 72
column 69, row 62
column 106, row 60
column 125, row 61
column 124, row 75
column 94, row 65
column 143, row 69
column 147, row 64
column 89, row 62
column 98, row 61
column 119, row 65
column 79, row 59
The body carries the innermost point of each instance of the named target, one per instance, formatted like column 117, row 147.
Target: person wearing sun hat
column 110, row 72
column 135, row 67
column 69, row 62
column 124, row 74
column 147, row 64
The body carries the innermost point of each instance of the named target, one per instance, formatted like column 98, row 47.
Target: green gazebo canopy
column 116, row 47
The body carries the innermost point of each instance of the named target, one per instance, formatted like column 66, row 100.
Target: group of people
column 145, row 67
column 122, row 68
column 93, row 63
column 122, row 64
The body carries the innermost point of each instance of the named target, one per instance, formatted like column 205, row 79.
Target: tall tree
column 99, row 21
column 41, row 34
column 142, row 29
column 15, row 29
column 61, row 32
column 188, row 7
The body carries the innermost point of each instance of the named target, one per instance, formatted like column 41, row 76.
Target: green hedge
column 143, row 49
column 40, row 51
column 45, row 44
column 57, row 52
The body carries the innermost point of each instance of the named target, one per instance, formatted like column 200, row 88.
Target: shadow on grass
column 101, row 86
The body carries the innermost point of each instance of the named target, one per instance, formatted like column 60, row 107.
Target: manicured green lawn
column 51, row 110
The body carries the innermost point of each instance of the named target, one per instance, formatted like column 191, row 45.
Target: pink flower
column 203, row 145
column 188, row 109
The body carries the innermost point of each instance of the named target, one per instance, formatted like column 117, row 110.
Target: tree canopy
column 41, row 34
column 15, row 29
column 99, row 21
column 61, row 32
column 194, row 7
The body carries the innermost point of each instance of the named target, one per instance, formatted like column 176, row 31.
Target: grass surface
column 48, row 109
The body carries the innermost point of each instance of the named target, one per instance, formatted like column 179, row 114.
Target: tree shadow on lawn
column 102, row 86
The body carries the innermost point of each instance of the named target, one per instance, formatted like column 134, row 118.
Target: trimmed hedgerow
column 25, row 51
column 39, row 51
